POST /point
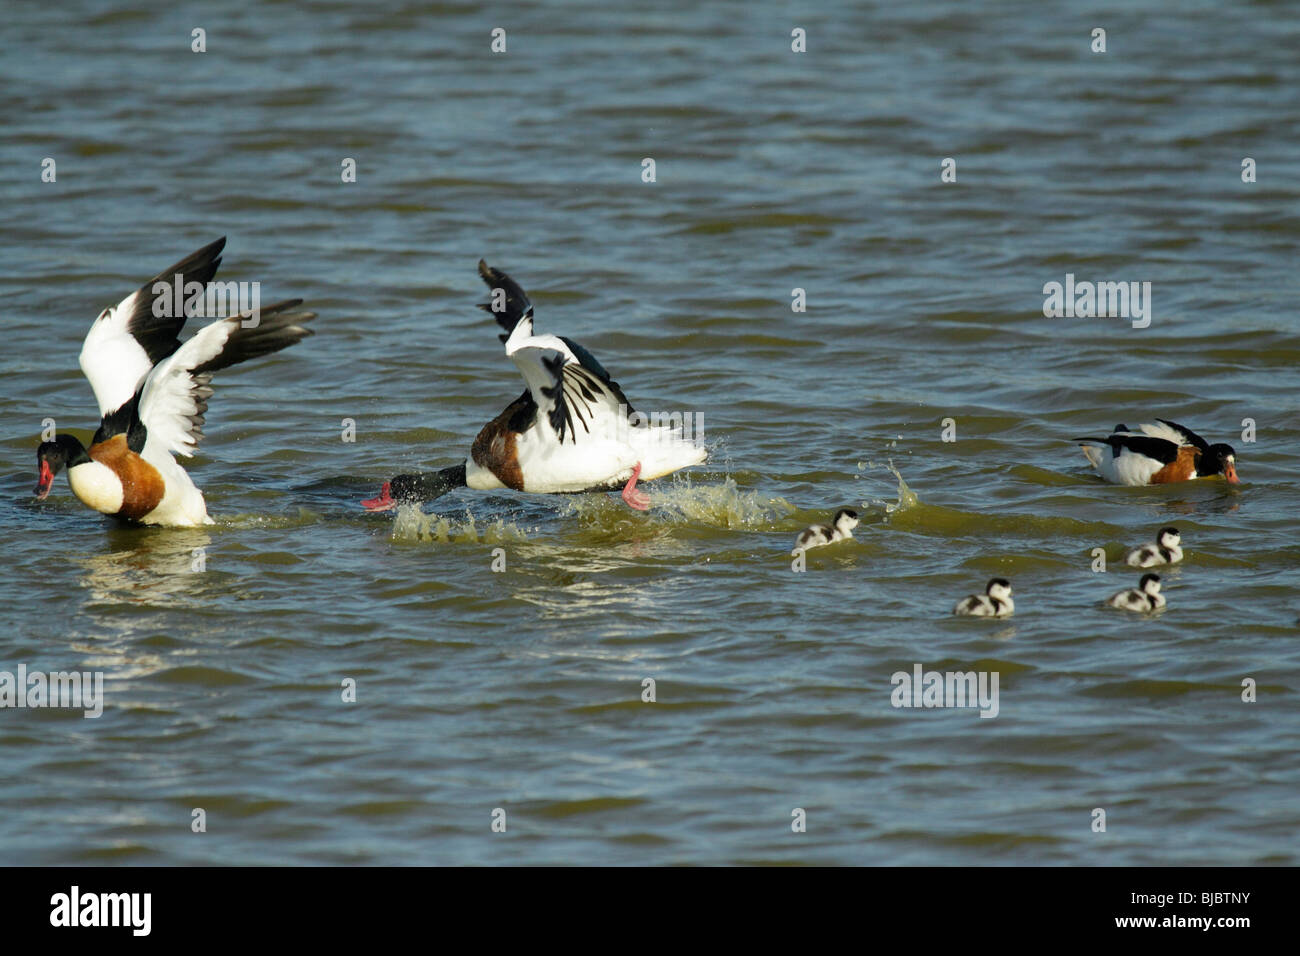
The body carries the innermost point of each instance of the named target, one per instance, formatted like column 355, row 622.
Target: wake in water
column 679, row 502
column 674, row 503
column 413, row 525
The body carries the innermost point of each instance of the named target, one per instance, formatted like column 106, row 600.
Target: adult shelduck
column 1166, row 549
column 1145, row 597
column 1158, row 454
column 994, row 602
column 841, row 527
column 153, row 392
column 572, row 429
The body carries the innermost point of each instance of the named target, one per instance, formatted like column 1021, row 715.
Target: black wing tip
column 495, row 278
column 1177, row 427
column 284, row 307
column 159, row 335
column 278, row 314
column 211, row 250
column 198, row 266
column 517, row 304
column 277, row 328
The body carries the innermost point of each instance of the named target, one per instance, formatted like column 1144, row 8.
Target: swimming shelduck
column 994, row 602
column 1165, row 550
column 153, row 392
column 1158, row 454
column 1145, row 597
column 841, row 527
column 572, row 429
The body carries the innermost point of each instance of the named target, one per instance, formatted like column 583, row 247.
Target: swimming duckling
column 1145, row 597
column 841, row 527
column 995, row 602
column 1165, row 550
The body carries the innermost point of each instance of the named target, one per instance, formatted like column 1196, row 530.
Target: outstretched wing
column 571, row 388
column 128, row 340
column 174, row 397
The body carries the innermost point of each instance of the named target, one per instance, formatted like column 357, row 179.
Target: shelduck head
column 52, row 457
column 1169, row 538
column 1150, row 584
column 846, row 519
column 1220, row 459
column 999, row 589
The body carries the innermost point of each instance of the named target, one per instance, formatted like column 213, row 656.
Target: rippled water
column 521, row 689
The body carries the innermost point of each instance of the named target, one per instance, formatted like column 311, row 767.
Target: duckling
column 1165, row 550
column 1145, row 597
column 841, row 527
column 994, row 602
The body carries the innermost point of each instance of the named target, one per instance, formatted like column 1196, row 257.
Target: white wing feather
column 1161, row 430
column 592, row 408
column 112, row 360
column 173, row 400
column 126, row 341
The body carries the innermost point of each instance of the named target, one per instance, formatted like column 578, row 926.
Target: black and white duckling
column 1165, row 550
column 841, row 527
column 994, row 602
column 1145, row 597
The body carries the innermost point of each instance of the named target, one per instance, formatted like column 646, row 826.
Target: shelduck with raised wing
column 572, row 429
column 153, row 392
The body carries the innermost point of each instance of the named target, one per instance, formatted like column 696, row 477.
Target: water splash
column 680, row 502
column 246, row 520
column 412, row 525
column 907, row 498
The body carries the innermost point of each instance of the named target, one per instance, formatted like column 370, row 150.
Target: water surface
column 521, row 689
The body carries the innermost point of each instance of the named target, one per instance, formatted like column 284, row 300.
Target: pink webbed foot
column 635, row 498
column 381, row 502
